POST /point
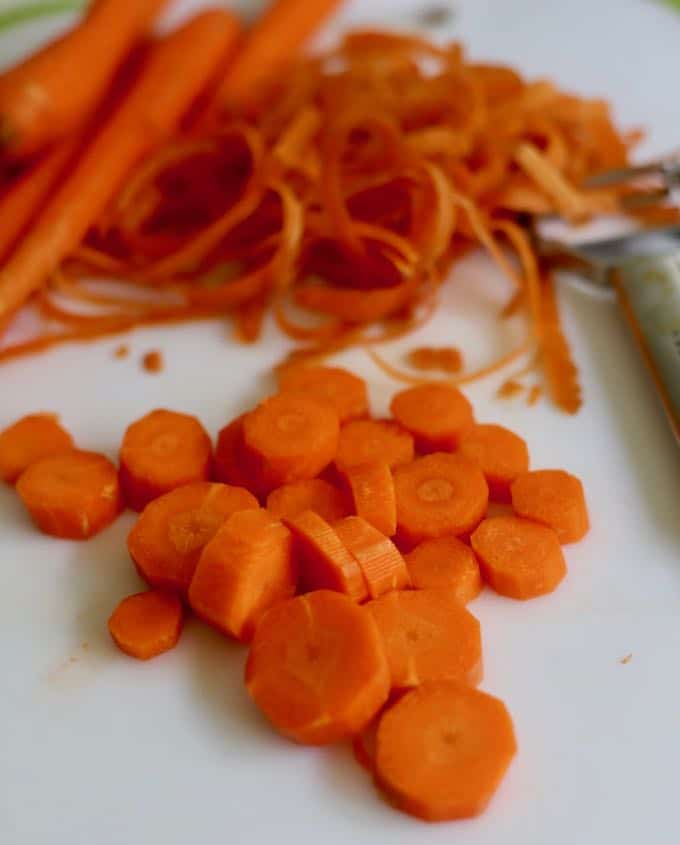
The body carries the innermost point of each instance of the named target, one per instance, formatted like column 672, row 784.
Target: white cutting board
column 97, row 748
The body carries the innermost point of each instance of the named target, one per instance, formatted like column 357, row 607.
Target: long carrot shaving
column 560, row 370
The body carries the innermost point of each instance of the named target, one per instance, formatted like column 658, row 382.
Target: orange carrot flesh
column 428, row 635
column 445, row 563
column 147, row 624
column 171, row 532
column 342, row 389
column 314, row 494
column 229, row 461
column 365, row 441
column 436, row 414
column 73, row 496
column 381, row 563
column 554, row 498
column 500, row 453
column 443, row 750
column 317, row 668
column 437, row 495
column 247, row 568
column 28, row 440
column 518, row 558
column 161, row 451
column 372, row 489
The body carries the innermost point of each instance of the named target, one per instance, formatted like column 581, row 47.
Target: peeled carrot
column 73, row 495
column 380, row 561
column 428, row 635
column 436, row 414
column 363, row 441
column 28, row 440
column 345, row 391
column 161, row 451
column 437, row 495
column 364, row 745
column 171, row 532
column 313, row 494
column 229, row 463
column 147, row 624
column 445, row 563
column 554, row 498
column 443, row 749
column 317, row 668
column 501, row 454
column 519, row 558
column 245, row 569
column 372, row 488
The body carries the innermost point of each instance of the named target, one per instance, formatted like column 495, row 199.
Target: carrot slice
column 345, row 391
column 519, row 558
column 314, row 494
column 230, row 465
column 73, row 496
column 501, row 454
column 325, row 562
column 147, row 624
column 160, row 452
column 443, row 750
column 28, row 440
column 436, row 414
column 554, row 498
column 244, row 570
column 445, row 563
column 168, row 538
column 364, row 745
column 380, row 561
column 364, row 441
column 437, row 495
column 372, row 488
column 317, row 668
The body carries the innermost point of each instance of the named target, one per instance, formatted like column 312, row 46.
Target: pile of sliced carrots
column 342, row 549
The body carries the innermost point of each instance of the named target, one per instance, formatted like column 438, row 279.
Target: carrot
column 436, row 414
column 171, row 532
column 500, row 453
column 229, row 463
column 518, row 558
column 161, row 451
column 428, row 636
column 317, row 668
column 445, row 563
column 148, row 115
column 324, row 560
column 437, row 495
column 364, row 745
column 372, row 488
column 28, row 440
column 147, row 624
column 314, row 494
column 554, row 498
column 245, row 569
column 443, row 750
column 380, row 561
column 73, row 495
column 363, row 441
column 345, row 391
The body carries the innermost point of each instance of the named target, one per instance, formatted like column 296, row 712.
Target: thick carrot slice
column 445, row 563
column 169, row 536
column 317, row 668
column 324, row 560
column 73, row 496
column 501, row 454
column 345, row 391
column 436, row 415
column 160, row 452
column 314, row 494
column 442, row 751
column 437, row 495
column 31, row 439
column 147, row 624
column 364, row 441
column 230, row 466
column 244, row 570
column 428, row 635
column 372, row 488
column 365, row 743
column 381, row 563
column 554, row 498
column 519, row 558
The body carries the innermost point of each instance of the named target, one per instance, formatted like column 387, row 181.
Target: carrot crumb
column 625, row 660
column 153, row 361
column 121, row 351
column 509, row 389
column 535, row 394
column 445, row 358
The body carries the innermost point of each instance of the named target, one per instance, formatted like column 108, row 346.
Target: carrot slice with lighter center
column 372, row 488
column 364, row 441
column 342, row 389
column 554, row 498
column 31, row 439
column 146, row 624
column 381, row 563
column 500, row 453
column 445, row 563
column 314, row 494
column 436, row 414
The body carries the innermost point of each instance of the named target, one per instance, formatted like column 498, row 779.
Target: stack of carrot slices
column 342, row 549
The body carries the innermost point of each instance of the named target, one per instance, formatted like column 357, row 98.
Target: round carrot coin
column 445, row 563
column 313, row 494
column 500, row 453
column 146, row 624
column 367, row 441
column 342, row 389
column 436, row 414
column 554, row 498
column 31, row 439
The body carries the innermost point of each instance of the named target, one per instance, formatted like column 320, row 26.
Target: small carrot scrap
column 372, row 488
column 443, row 750
column 445, row 563
column 171, row 532
column 448, row 359
column 345, row 391
column 314, row 494
column 317, row 668
column 428, row 635
column 364, row 441
column 500, row 453
column 435, row 414
column 153, row 361
column 121, row 351
column 73, row 496
column 554, row 498
column 561, row 372
column 625, row 660
column 509, row 389
column 147, row 624
column 534, row 395
column 245, row 569
column 28, row 440
column 518, row 558
column 380, row 561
